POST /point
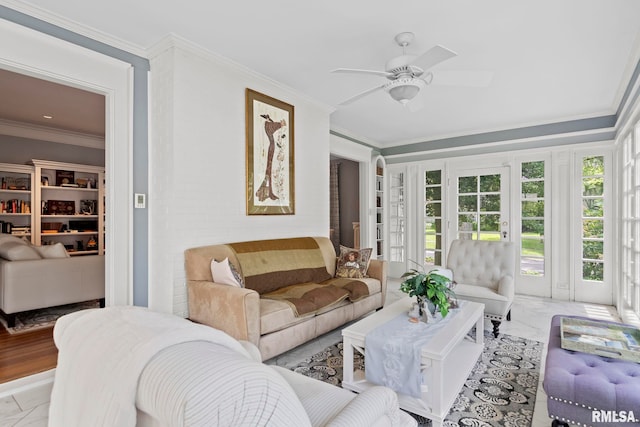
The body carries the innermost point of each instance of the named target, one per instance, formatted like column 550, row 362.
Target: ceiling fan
column 407, row 74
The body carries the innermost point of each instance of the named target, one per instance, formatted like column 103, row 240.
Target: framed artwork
column 64, row 178
column 269, row 155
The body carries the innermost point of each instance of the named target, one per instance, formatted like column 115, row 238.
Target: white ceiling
column 43, row 103
column 550, row 60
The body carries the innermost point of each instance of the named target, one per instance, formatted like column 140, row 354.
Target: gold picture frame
column 269, row 155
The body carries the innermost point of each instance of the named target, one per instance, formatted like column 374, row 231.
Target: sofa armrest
column 233, row 310
column 368, row 408
column 506, row 287
column 49, row 282
column 378, row 270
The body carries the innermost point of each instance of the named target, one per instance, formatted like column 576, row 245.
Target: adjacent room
column 287, row 190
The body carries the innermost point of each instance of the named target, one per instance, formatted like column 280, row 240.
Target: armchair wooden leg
column 509, row 316
column 496, row 328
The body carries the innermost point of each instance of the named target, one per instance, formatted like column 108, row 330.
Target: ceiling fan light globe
column 404, row 90
column 404, row 94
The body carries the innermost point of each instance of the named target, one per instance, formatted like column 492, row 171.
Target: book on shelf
column 15, row 206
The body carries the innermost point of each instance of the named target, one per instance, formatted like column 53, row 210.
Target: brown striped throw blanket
column 294, row 271
column 309, row 298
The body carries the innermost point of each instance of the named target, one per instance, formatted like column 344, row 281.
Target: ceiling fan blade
column 433, row 56
column 463, row 78
column 361, row 95
column 357, row 71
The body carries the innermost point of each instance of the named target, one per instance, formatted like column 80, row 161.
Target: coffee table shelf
column 447, row 359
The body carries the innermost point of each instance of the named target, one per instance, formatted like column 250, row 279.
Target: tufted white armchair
column 484, row 272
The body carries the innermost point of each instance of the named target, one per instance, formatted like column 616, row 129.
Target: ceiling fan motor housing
column 400, row 67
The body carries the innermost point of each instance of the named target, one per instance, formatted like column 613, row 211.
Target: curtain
column 334, row 204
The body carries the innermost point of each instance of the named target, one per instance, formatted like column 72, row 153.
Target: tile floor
column 531, row 317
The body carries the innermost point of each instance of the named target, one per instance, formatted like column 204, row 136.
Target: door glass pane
column 433, row 177
column 532, row 226
column 592, row 207
column 533, row 189
column 467, row 184
column 592, row 228
column 532, row 170
column 490, row 222
column 396, row 217
column 490, row 203
column 433, row 217
column 489, row 183
column 479, row 207
column 593, row 218
column 468, row 203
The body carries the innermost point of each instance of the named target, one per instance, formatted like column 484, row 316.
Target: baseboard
column 26, row 383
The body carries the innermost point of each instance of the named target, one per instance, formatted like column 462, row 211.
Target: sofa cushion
column 52, row 251
column 277, row 315
column 224, row 272
column 18, row 251
column 268, row 265
column 4, row 238
column 353, row 263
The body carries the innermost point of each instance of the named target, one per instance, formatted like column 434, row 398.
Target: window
column 532, row 226
column 433, row 217
column 630, row 227
column 396, row 217
column 593, row 218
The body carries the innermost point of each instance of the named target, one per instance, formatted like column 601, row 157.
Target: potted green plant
column 431, row 287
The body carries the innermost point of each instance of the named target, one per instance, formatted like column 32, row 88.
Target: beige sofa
column 28, row 281
column 269, row 267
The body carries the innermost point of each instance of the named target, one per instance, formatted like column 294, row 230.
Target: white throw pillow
column 4, row 238
column 222, row 273
column 52, row 251
column 18, row 251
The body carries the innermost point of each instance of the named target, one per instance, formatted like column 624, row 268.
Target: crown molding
column 73, row 26
column 174, row 41
column 45, row 133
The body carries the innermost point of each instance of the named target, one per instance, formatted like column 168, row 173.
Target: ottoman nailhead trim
column 567, row 420
column 573, row 403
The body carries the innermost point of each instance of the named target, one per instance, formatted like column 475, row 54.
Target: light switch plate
column 140, row 200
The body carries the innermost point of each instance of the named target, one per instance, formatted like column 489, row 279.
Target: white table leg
column 480, row 330
column 347, row 361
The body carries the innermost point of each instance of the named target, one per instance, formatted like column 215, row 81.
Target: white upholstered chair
column 484, row 272
column 129, row 366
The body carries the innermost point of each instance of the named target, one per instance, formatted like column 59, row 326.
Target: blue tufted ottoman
column 589, row 390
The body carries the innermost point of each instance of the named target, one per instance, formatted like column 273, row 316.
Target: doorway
column 44, row 120
column 344, row 203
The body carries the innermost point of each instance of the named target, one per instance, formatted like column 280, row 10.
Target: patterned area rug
column 32, row 320
column 500, row 391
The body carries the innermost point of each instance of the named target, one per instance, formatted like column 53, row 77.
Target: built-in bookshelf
column 16, row 196
column 379, row 180
column 70, row 206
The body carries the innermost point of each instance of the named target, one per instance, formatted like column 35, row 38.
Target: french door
column 481, row 204
column 484, row 201
column 594, row 230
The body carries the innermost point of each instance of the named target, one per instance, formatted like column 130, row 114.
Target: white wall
column 197, row 164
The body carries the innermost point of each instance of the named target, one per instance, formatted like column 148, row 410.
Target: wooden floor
column 26, row 354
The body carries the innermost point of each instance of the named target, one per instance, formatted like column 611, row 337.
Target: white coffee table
column 447, row 358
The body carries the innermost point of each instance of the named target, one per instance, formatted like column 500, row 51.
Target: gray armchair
column 484, row 272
